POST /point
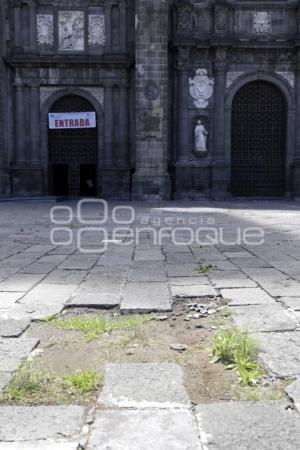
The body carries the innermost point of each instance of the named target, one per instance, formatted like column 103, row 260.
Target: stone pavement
column 39, row 279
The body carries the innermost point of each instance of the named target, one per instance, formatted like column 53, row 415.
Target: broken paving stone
column 161, row 318
column 293, row 391
column 13, row 351
column 246, row 296
column 13, row 328
column 103, row 300
column 24, row 423
column 145, row 297
column 179, row 347
column 291, row 302
column 193, row 291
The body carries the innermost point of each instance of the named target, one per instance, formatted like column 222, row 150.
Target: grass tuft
column 93, row 326
column 204, row 268
column 29, row 381
column 82, row 382
column 239, row 352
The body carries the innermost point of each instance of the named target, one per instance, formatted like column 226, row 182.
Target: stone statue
column 201, row 135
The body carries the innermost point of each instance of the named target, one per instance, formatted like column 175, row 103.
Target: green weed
column 82, row 382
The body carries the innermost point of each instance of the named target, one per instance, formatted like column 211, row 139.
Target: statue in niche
column 200, row 138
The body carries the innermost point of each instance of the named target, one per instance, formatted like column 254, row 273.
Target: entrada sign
column 64, row 121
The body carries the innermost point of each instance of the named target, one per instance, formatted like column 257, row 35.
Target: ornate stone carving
column 200, row 138
column 45, row 29
column 289, row 76
column 231, row 77
column 96, row 30
column 71, row 30
column 221, row 18
column 185, row 19
column 46, row 92
column 262, row 22
column 201, row 88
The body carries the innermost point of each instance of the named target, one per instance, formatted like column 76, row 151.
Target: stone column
column 20, row 154
column 151, row 179
column 123, row 27
column 296, row 165
column 220, row 168
column 108, row 127
column 35, row 155
column 183, row 117
column 123, row 157
column 108, row 27
column 32, row 27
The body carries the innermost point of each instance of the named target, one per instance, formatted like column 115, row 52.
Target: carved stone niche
column 45, row 29
column 184, row 17
column 221, row 18
column 200, row 136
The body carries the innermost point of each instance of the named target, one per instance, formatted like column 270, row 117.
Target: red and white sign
column 65, row 121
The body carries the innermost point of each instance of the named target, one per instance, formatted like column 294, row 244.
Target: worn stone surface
column 8, row 299
column 146, row 297
column 291, row 302
column 26, row 423
column 293, row 391
column 193, row 291
column 20, row 282
column 263, row 318
column 280, row 352
column 13, row 351
column 49, row 444
column 12, row 327
column 231, row 279
column 103, row 300
column 136, row 430
column 248, row 425
column 144, row 386
column 247, row 296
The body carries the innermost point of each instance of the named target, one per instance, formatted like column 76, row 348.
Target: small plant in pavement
column 239, row 352
column 205, row 268
column 82, row 382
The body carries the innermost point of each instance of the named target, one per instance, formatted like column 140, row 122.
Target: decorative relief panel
column 71, row 30
column 201, row 88
column 262, row 22
column 45, row 29
column 46, row 92
column 96, row 30
column 289, row 76
column 231, row 77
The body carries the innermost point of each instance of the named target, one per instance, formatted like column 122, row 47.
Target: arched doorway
column 258, row 156
column 72, row 153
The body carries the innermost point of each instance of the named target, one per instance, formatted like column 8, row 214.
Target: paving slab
column 77, row 263
column 39, row 445
column 182, row 270
column 149, row 255
column 8, row 299
column 252, row 262
column 193, row 291
column 20, row 282
column 96, row 283
column 293, row 391
column 144, row 386
column 34, row 310
column 49, row 293
column 264, row 318
column 145, row 297
column 65, row 277
column 280, row 353
column 241, row 254
column 40, row 267
column 180, row 258
column 189, row 281
column 12, row 327
column 231, row 279
column 150, row 273
column 247, row 296
column 13, row 351
column 248, row 426
column 291, row 302
column 94, row 299
column 26, row 423
column 144, row 430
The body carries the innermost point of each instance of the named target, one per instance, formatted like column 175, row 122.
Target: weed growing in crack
column 239, row 352
column 93, row 326
column 82, row 382
column 204, row 268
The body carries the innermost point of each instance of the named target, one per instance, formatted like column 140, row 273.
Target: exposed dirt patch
column 65, row 352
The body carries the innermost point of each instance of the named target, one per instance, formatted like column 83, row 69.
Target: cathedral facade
column 150, row 99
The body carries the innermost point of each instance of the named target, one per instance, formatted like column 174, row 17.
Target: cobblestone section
column 38, row 279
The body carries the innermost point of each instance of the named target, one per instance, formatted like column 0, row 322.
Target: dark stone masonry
column 192, row 99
